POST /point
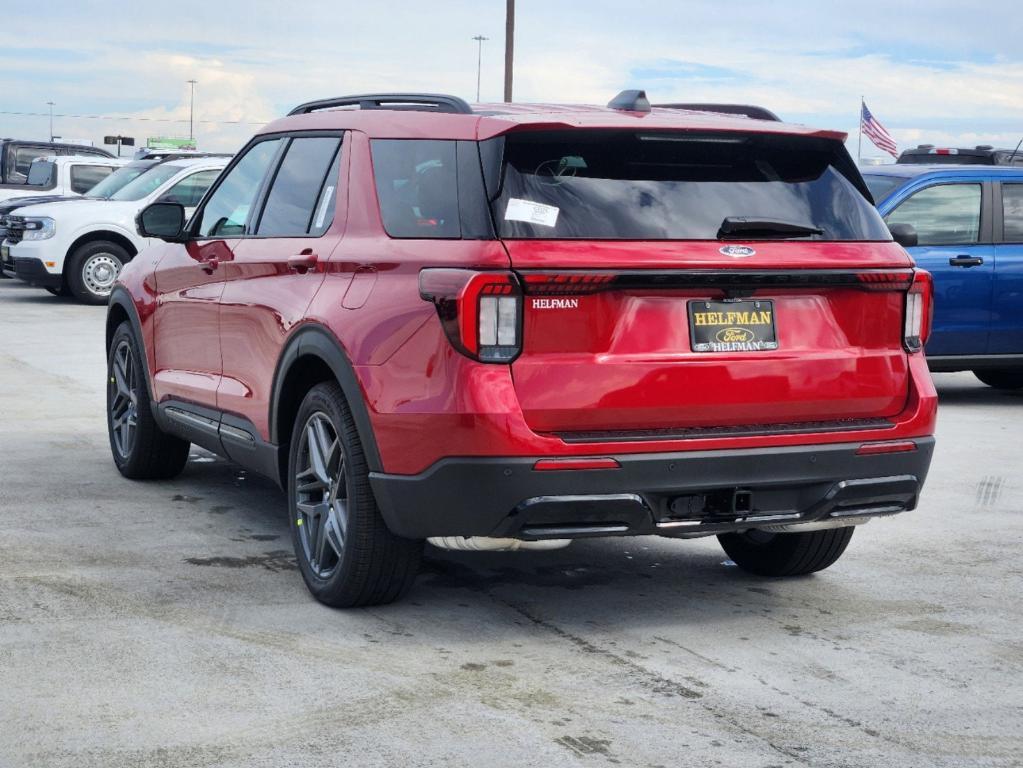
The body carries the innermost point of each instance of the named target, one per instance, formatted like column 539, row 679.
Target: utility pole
column 51, row 120
column 479, row 63
column 509, row 48
column 191, row 110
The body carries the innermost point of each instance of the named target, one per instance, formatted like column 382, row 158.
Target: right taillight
column 481, row 312
column 919, row 308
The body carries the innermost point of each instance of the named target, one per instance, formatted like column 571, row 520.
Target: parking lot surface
column 165, row 623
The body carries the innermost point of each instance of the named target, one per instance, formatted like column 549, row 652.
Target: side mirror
column 903, row 234
column 165, row 221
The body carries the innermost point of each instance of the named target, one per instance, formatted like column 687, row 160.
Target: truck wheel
column 786, row 554
column 92, row 270
column 346, row 553
column 1001, row 378
column 142, row 451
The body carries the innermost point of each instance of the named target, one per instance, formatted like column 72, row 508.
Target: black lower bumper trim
column 659, row 493
column 33, row 271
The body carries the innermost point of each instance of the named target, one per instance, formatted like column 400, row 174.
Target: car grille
column 15, row 228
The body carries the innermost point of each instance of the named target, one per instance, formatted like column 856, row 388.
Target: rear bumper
column 33, row 271
column 690, row 493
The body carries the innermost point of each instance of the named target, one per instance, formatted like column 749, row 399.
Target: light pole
column 509, row 47
column 51, row 120
column 191, row 110
column 479, row 63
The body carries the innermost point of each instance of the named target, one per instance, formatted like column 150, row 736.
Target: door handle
column 209, row 266
column 965, row 261
column 303, row 262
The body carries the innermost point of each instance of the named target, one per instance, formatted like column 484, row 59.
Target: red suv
column 506, row 325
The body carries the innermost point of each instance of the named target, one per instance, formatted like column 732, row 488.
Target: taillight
column 481, row 312
column 919, row 309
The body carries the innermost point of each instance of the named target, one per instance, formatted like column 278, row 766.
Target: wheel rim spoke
column 123, row 399
column 319, row 487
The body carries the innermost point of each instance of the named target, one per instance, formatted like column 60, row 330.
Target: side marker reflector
column 549, row 465
column 872, row 449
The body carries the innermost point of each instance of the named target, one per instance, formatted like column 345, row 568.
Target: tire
column 92, row 270
column 141, row 450
column 786, row 554
column 347, row 555
column 1001, row 378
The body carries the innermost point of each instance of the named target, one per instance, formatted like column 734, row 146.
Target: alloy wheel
column 124, row 399
column 321, row 496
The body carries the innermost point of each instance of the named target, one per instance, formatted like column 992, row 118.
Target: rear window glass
column 882, row 186
column 1012, row 211
column 417, row 187
column 85, row 177
column 676, row 186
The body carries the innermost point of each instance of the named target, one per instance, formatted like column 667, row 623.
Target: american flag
column 876, row 132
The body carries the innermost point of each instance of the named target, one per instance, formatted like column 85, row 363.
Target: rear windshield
column 612, row 185
column 882, row 186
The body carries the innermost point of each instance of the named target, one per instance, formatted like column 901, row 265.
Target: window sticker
column 322, row 213
column 531, row 213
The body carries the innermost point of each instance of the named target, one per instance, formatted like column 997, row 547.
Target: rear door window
column 945, row 214
column 226, row 213
column 300, row 189
column 417, row 186
column 1012, row 213
column 673, row 185
column 85, row 177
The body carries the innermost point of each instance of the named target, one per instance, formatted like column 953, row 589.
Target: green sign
column 166, row 142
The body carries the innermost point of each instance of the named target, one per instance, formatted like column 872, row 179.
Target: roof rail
column 420, row 102
column 745, row 110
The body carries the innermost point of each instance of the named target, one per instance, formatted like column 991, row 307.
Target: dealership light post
column 479, row 63
column 509, row 48
column 51, row 120
column 191, row 109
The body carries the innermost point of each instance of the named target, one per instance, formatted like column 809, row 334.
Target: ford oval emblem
column 735, row 335
column 738, row 251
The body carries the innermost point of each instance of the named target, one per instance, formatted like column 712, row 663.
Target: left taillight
column 481, row 312
column 919, row 310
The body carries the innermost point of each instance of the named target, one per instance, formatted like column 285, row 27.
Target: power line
column 141, row 119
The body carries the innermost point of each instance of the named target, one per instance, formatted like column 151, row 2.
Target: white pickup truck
column 56, row 176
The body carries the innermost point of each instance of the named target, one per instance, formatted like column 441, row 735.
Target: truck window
column 85, row 177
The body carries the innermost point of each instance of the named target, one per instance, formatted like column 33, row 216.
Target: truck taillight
column 481, row 312
column 919, row 309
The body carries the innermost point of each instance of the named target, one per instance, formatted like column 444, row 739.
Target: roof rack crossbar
column 429, row 102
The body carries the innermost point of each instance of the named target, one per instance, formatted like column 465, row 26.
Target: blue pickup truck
column 969, row 231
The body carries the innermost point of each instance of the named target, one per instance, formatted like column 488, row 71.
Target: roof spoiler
column 418, row 102
column 743, row 110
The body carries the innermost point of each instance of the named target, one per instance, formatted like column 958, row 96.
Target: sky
column 935, row 72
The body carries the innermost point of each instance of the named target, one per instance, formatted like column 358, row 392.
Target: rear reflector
column 895, row 446
column 548, row 465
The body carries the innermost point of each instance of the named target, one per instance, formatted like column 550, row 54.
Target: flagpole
column 859, row 137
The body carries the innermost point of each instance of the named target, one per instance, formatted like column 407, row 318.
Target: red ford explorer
column 510, row 326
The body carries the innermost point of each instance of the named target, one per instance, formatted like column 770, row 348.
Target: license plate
column 732, row 326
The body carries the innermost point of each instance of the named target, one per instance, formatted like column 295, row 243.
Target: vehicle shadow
column 632, row 582
column 965, row 389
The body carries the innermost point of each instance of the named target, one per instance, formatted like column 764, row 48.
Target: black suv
column 983, row 154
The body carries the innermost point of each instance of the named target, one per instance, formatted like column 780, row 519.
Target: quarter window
column 226, row 213
column 417, row 187
column 947, row 214
column 1012, row 213
column 85, row 177
column 298, row 201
